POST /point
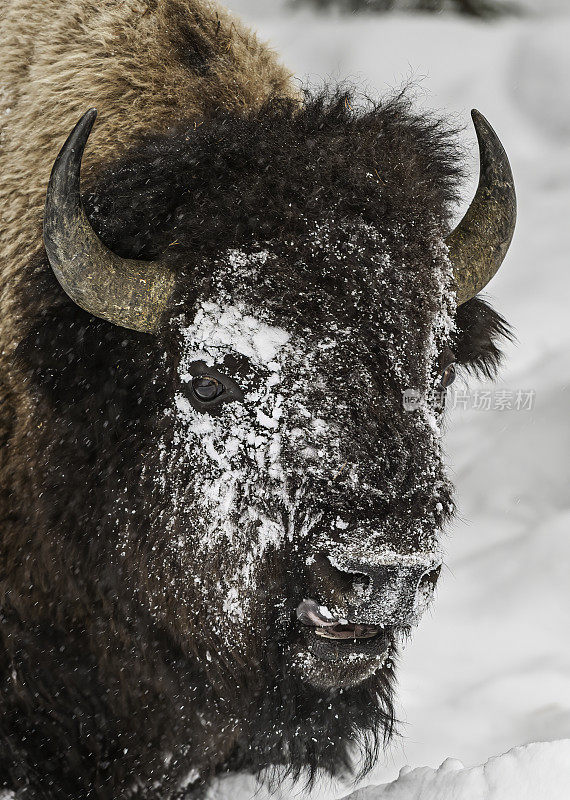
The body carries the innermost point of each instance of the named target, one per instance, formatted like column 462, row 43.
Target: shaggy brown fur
column 146, row 64
column 111, row 683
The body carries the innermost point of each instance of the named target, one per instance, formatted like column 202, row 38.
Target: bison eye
column 206, row 388
column 447, row 376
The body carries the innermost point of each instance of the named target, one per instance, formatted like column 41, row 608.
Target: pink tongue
column 310, row 613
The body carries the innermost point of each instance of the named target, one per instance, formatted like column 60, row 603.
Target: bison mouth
column 350, row 630
column 330, row 637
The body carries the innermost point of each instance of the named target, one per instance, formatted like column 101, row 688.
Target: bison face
column 276, row 499
column 295, row 497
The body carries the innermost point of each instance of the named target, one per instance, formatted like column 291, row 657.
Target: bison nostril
column 328, row 575
column 336, row 584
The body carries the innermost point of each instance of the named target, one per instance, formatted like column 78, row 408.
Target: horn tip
column 80, row 133
column 478, row 118
column 90, row 115
column 483, row 127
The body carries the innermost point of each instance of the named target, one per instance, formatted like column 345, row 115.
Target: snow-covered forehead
column 216, row 330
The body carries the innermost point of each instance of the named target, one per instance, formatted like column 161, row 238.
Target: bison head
column 279, row 511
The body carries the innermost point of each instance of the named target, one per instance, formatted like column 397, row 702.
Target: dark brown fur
column 101, row 697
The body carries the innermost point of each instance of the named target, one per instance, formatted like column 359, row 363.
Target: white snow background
column 489, row 669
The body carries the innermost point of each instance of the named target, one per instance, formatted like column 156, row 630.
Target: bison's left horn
column 480, row 242
column 129, row 293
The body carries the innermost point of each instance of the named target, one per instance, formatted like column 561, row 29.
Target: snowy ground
column 524, row 773
column 490, row 669
column 532, row 772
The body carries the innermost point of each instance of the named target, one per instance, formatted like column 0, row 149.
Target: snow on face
column 239, row 489
column 252, row 479
column 215, row 333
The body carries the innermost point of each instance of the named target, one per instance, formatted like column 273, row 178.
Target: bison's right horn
column 480, row 242
column 129, row 293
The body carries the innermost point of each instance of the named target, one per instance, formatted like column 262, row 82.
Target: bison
column 219, row 519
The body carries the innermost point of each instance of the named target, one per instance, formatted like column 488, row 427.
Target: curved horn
column 480, row 242
column 129, row 293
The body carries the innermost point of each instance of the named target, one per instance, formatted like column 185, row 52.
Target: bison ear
column 480, row 332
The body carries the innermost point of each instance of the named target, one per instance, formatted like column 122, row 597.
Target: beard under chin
column 295, row 728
